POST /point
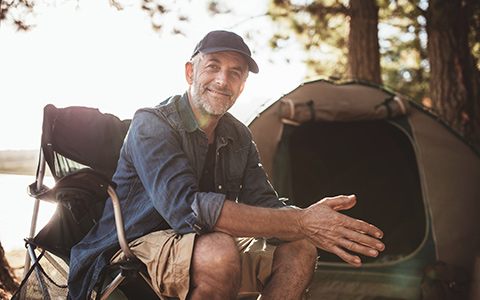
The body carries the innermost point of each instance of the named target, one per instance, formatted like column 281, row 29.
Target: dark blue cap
column 220, row 40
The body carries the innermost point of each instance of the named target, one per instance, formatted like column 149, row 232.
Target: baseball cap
column 220, row 40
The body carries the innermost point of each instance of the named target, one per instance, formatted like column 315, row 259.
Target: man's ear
column 189, row 72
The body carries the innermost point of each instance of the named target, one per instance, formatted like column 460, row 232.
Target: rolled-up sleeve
column 168, row 176
column 206, row 210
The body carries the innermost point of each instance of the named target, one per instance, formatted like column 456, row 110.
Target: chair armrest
column 122, row 240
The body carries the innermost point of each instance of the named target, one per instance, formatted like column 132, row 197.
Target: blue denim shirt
column 158, row 172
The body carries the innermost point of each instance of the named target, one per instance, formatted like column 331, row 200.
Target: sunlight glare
column 89, row 54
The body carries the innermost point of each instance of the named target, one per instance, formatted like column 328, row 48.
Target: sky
column 87, row 53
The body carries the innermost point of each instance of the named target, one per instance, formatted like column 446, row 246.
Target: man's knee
column 216, row 250
column 298, row 255
column 216, row 265
column 293, row 268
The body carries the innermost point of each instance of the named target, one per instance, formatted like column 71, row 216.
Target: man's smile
column 218, row 93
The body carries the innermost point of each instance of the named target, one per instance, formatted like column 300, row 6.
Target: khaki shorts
column 168, row 255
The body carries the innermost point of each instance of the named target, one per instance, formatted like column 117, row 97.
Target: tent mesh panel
column 43, row 281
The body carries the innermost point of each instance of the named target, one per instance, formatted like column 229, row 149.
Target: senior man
column 197, row 203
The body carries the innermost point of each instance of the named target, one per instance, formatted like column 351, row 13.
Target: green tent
column 413, row 177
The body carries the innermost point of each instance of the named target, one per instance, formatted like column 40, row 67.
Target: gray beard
column 201, row 101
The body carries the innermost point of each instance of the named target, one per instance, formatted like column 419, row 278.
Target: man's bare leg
column 215, row 270
column 293, row 268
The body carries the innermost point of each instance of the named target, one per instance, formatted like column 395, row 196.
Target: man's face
column 216, row 81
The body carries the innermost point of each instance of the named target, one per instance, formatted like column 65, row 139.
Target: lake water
column 16, row 209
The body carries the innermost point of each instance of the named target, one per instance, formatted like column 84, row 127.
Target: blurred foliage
column 474, row 22
column 18, row 13
column 322, row 27
column 161, row 13
column 161, row 10
column 405, row 66
column 21, row 13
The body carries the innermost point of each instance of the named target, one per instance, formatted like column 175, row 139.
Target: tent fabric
column 340, row 103
column 451, row 177
column 324, row 101
column 413, row 175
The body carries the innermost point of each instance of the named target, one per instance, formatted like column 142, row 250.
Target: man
column 191, row 185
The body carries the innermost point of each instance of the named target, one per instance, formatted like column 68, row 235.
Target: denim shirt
column 158, row 172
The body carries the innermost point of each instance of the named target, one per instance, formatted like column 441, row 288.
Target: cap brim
column 252, row 65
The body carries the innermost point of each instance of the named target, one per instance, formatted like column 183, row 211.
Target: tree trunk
column 7, row 283
column 363, row 47
column 454, row 76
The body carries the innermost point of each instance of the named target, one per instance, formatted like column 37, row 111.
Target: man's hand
column 334, row 232
column 321, row 224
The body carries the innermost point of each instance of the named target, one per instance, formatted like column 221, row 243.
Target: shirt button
column 220, row 187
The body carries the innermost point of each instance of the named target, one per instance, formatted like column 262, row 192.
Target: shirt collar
column 186, row 114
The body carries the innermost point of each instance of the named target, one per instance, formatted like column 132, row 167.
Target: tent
column 413, row 176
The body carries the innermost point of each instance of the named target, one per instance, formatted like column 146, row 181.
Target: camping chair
column 81, row 147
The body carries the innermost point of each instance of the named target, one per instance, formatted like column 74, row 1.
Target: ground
column 16, row 259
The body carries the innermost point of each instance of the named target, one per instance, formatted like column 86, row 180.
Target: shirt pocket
column 233, row 186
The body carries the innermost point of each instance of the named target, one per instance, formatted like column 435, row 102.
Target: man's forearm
column 242, row 220
column 321, row 224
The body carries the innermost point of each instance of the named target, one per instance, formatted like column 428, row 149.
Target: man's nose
column 221, row 78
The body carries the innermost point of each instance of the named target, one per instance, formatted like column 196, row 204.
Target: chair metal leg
column 36, row 207
column 33, row 258
column 111, row 287
column 33, row 227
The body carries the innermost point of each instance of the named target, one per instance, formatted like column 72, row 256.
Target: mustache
column 218, row 88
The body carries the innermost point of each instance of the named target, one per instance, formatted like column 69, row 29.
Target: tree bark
column 7, row 283
column 363, row 46
column 454, row 76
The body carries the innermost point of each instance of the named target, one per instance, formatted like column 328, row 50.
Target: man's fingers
column 346, row 202
column 345, row 249
column 362, row 227
column 347, row 257
column 340, row 234
column 366, row 248
column 340, row 202
column 357, row 241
